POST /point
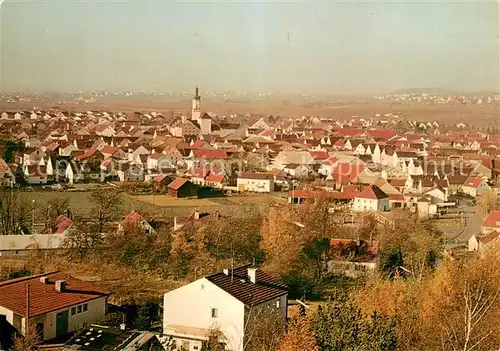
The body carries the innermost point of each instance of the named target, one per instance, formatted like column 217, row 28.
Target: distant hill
column 422, row 90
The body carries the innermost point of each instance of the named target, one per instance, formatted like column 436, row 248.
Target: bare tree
column 472, row 326
column 106, row 204
column 82, row 238
column 56, row 207
column 14, row 213
column 29, row 341
column 264, row 328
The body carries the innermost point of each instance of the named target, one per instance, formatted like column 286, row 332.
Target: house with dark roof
column 182, row 187
column 371, row 198
column 57, row 303
column 230, row 300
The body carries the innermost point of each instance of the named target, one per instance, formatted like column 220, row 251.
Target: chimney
column 60, row 285
column 252, row 274
column 44, row 280
column 225, row 271
column 196, row 214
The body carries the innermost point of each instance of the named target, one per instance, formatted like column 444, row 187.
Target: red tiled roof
column 177, row 183
column 198, row 144
column 274, row 172
column 396, row 197
column 373, row 248
column 251, row 175
column 238, row 285
column 372, row 192
column 381, row 133
column 43, row 297
column 62, row 223
column 489, row 237
column 473, row 182
column 212, row 154
column 330, row 161
column 132, row 219
column 109, row 150
column 86, row 154
column 319, row 155
column 156, row 156
column 397, row 182
column 493, row 219
column 215, row 178
column 159, row 178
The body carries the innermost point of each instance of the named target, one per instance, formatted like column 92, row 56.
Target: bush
column 113, row 319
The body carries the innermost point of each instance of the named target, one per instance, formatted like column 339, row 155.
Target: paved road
column 472, row 225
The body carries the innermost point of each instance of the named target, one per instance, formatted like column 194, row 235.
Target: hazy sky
column 313, row 47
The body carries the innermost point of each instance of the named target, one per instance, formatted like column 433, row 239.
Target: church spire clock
column 196, row 107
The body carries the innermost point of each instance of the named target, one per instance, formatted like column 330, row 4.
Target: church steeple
column 196, row 107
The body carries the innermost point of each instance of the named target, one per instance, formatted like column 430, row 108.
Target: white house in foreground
column 227, row 302
column 58, row 304
column 371, row 198
column 256, row 182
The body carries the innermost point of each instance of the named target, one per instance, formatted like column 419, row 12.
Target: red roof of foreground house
column 238, row 285
column 493, row 219
column 373, row 248
column 132, row 219
column 494, row 235
column 372, row 192
column 62, row 223
column 473, row 182
column 177, row 183
column 43, row 297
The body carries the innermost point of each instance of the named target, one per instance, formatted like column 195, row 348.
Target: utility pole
column 33, row 216
column 26, row 321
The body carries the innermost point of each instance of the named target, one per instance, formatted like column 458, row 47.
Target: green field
column 79, row 203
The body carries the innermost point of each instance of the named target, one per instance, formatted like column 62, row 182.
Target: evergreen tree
column 144, row 318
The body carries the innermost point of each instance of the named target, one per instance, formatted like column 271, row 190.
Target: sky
column 304, row 46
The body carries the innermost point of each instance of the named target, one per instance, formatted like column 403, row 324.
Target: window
column 215, row 313
column 277, row 303
column 185, row 345
column 79, row 309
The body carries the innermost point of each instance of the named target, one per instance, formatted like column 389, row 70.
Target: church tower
column 196, row 110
